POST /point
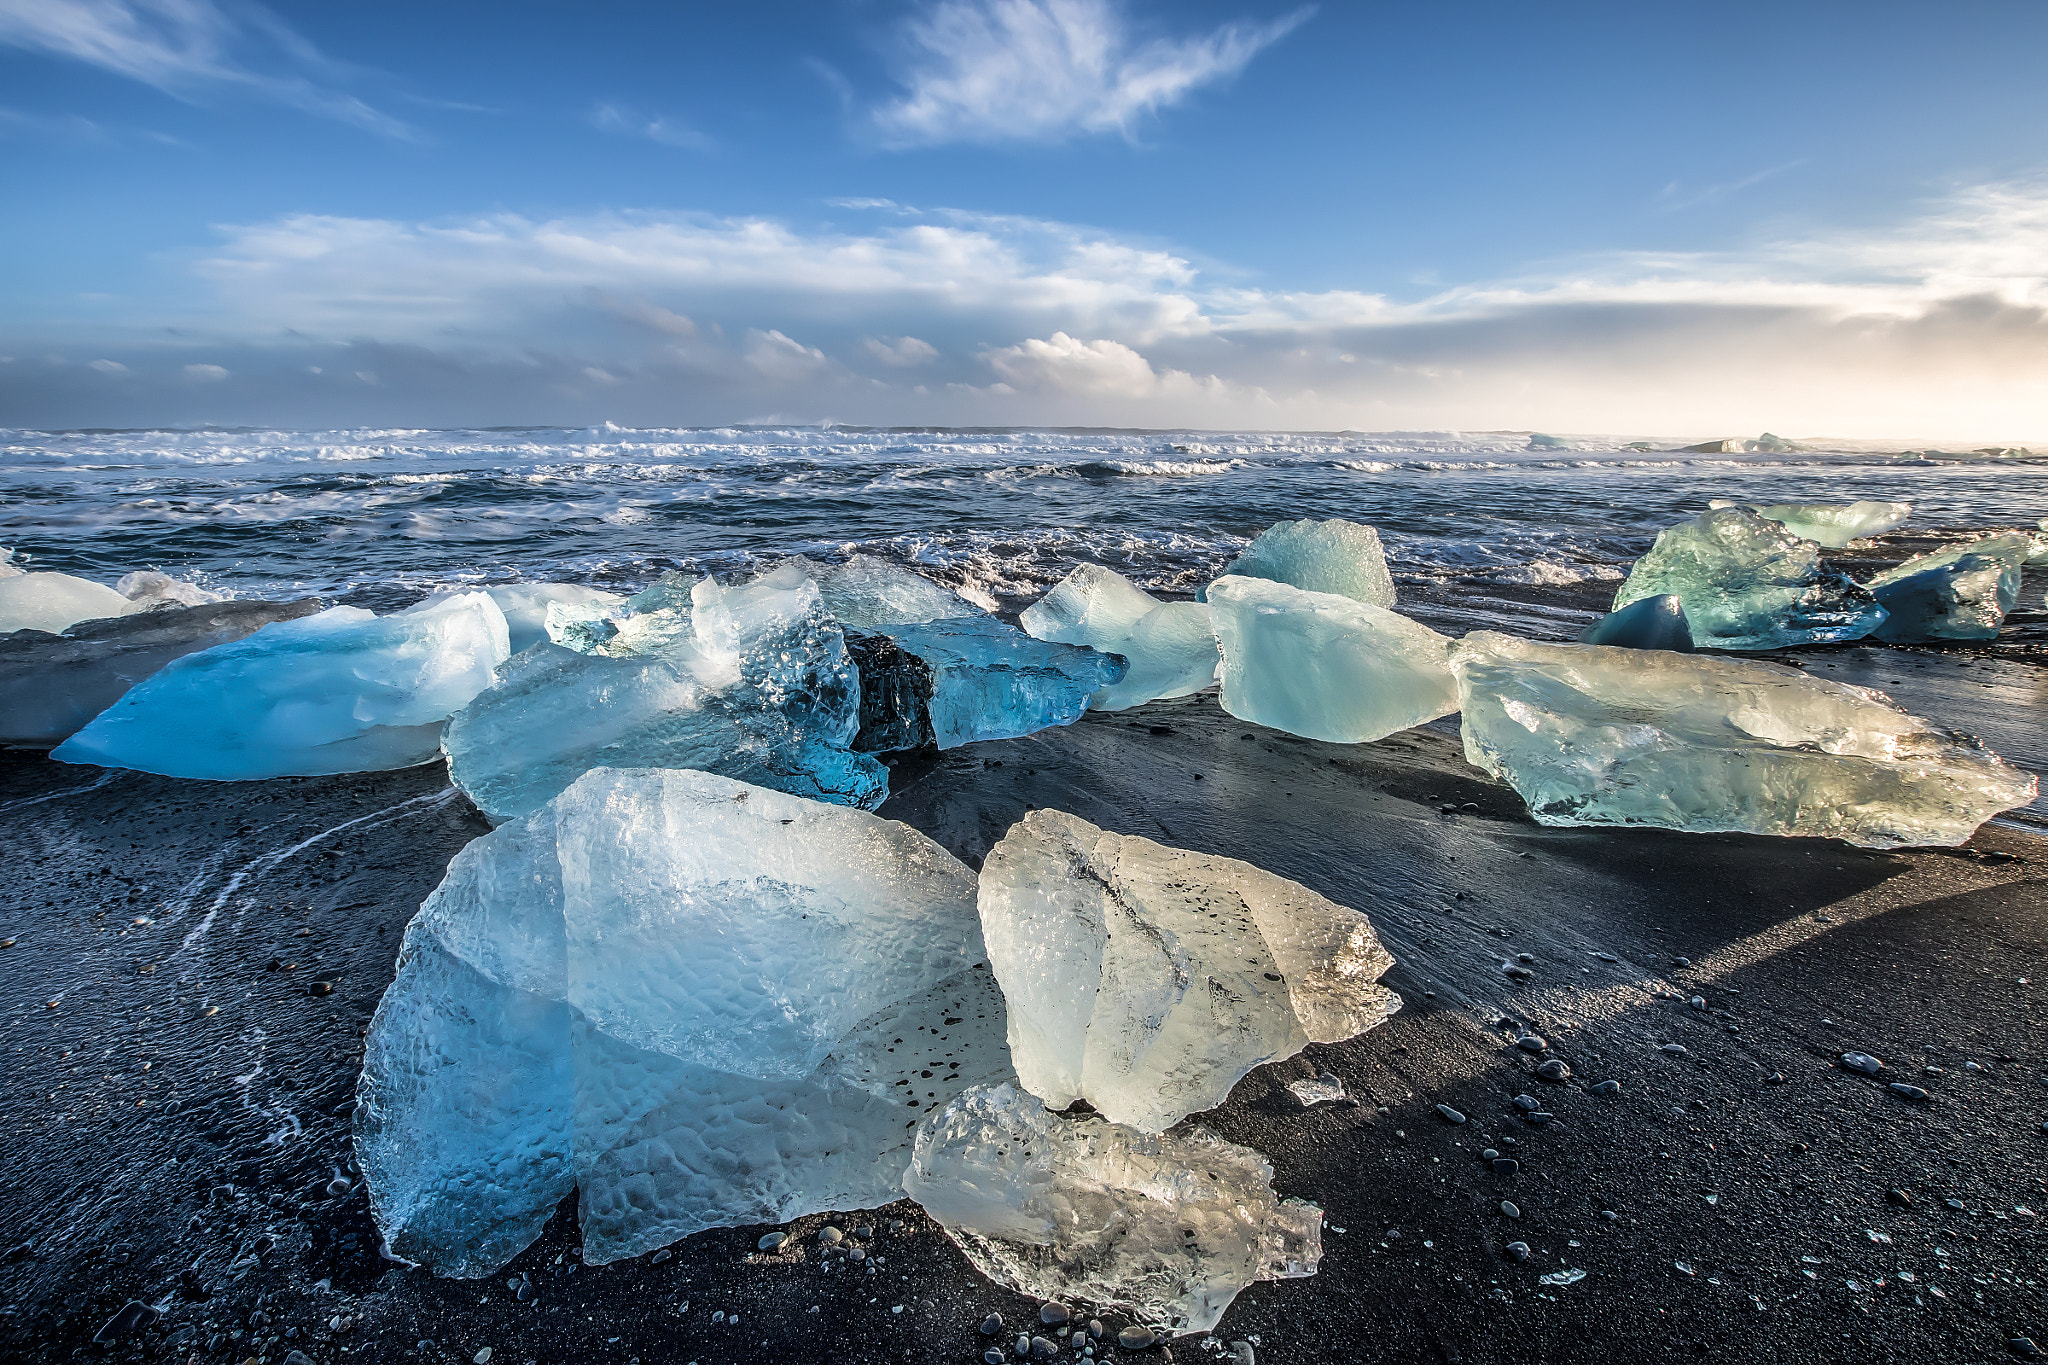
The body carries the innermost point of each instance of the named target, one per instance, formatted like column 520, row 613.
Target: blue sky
column 1818, row 218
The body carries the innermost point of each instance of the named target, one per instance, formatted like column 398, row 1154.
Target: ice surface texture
column 1748, row 583
column 1648, row 623
column 866, row 591
column 1836, row 526
column 1324, row 666
column 1334, row 556
column 699, row 1001
column 526, row 607
column 992, row 681
column 1148, row 980
column 1165, row 1227
column 52, row 685
column 1961, row 592
column 1597, row 736
column 340, row 691
column 1170, row 645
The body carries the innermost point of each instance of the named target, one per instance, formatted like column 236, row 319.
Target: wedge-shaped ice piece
column 1341, row 557
column 1148, row 980
column 701, row 1002
column 1836, row 525
column 1748, row 583
column 867, row 591
column 1166, row 1228
column 54, row 602
column 340, row 691
column 1651, row 623
column 1170, row 645
column 1324, row 666
column 1961, row 592
column 992, row 681
column 1596, row 736
column 52, row 685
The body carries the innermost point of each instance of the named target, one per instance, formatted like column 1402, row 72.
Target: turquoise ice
column 1648, row 623
column 1835, row 525
column 1960, row 592
column 1335, row 556
column 1170, row 646
column 990, row 680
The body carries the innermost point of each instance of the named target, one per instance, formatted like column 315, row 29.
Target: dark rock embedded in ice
column 895, row 695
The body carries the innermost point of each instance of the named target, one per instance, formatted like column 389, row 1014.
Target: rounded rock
column 1043, row 1348
column 338, row 1188
column 1506, row 1165
column 993, row 1357
column 772, row 1242
column 1553, row 1070
column 992, row 1324
column 1527, row 1103
column 1604, row 1088
column 1862, row 1063
column 1907, row 1092
column 1095, row 1328
column 1519, row 1250
column 1135, row 1338
column 830, row 1237
column 1673, row 1049
column 1053, row 1314
column 1530, row 1042
column 1490, row 1154
column 1450, row 1114
column 1507, row 1207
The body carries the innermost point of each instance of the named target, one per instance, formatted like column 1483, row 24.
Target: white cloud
column 1044, row 70
column 189, row 47
column 902, row 353
column 1068, row 365
column 776, row 357
column 108, row 366
column 206, row 374
column 611, row 118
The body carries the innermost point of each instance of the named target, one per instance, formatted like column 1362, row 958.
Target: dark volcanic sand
column 121, row 1179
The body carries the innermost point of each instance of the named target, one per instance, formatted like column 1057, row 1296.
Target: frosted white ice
column 1835, row 525
column 1335, row 556
column 343, row 690
column 1166, row 1228
column 1148, row 980
column 526, row 607
column 1591, row 735
column 1325, row 666
column 701, row 1002
column 1170, row 646
column 147, row 589
column 54, row 602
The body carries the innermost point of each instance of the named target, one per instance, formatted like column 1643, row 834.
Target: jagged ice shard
column 1598, row 736
column 1148, row 980
column 1170, row 646
column 1335, row 556
column 1324, row 666
column 1835, row 525
column 1961, row 592
column 340, row 691
column 1748, row 583
column 1165, row 1227
column 990, row 680
column 680, row 994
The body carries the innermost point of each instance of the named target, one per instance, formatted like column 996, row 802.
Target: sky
column 1711, row 219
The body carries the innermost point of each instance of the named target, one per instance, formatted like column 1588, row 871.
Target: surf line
column 108, row 776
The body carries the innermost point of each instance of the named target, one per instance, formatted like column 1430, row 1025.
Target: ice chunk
column 1961, row 592
column 1597, row 736
column 1651, row 623
column 1148, row 980
column 8, row 568
column 526, row 607
column 700, row 1001
column 1335, row 556
column 866, row 591
column 990, row 680
column 149, row 590
column 51, row 685
column 1164, row 1227
column 1170, row 645
column 54, row 602
column 1321, row 1088
column 340, row 691
column 1325, row 666
column 1748, row 583
column 1835, row 526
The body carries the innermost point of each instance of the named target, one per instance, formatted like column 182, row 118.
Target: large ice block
column 1148, row 980
column 52, row 685
column 54, row 602
column 1170, row 646
column 1166, row 1228
column 1960, row 592
column 1324, row 666
column 1835, row 525
column 341, row 691
column 867, row 591
column 1334, row 556
column 701, row 1002
column 992, row 681
column 1748, row 583
column 1650, row 623
column 1598, row 736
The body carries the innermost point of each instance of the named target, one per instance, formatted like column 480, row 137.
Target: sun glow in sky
column 1817, row 218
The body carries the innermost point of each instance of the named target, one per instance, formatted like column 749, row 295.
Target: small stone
column 993, row 1357
column 1529, row 1042
column 1096, row 1329
column 1450, row 1115
column 895, row 1225
column 1519, row 1250
column 1023, row 1345
column 2024, row 1347
column 856, row 1254
column 1775, row 1078
column 1506, row 1165
column 1906, row 1092
column 864, row 1232
column 1518, row 973
column 482, row 1356
column 992, row 1324
column 1604, row 1088
column 1508, row 1208
column 1490, row 1154
column 338, row 1188
column 1698, row 1002
column 132, row 1317
column 658, row 1257
column 1525, row 957
column 1956, row 1204
column 297, row 1358
column 1540, row 1116
column 1553, row 1070
column 1609, row 1216
column 525, row 1292
column 1673, row 1049
column 1043, row 1348
column 1527, row 1103
column 772, row 1241
column 1862, row 1063
column 1053, row 1314
column 830, row 1237
column 1972, row 1066
column 423, row 1345
column 322, row 988
column 1135, row 1338
column 1681, row 962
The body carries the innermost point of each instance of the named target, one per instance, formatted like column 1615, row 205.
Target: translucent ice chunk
column 1650, row 623
column 1836, row 526
column 526, row 607
column 866, row 591
column 340, row 691
column 1164, row 1227
column 1961, row 592
column 701, row 1002
column 1596, row 736
column 1325, row 666
column 1170, row 646
column 54, row 602
column 1148, row 980
column 8, row 568
column 1748, row 583
column 148, row 589
column 1321, row 1088
column 1341, row 557
column 992, row 681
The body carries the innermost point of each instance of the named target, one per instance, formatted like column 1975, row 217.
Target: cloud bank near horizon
column 1936, row 326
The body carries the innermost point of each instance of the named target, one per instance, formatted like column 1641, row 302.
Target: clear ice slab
column 867, row 591
column 1148, row 980
column 1598, row 736
column 1748, row 583
column 1324, row 666
column 1171, row 648
column 697, row 1001
column 990, row 680
column 1960, row 592
column 1649, row 623
column 340, row 691
column 526, row 607
column 1167, row 1227
column 54, row 602
column 1835, row 525
column 1335, row 556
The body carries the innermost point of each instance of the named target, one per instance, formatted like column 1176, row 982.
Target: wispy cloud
column 612, row 118
column 1046, row 70
column 192, row 48
column 1676, row 195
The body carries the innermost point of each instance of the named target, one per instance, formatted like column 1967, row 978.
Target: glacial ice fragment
column 1748, row 583
column 149, row 590
column 526, row 607
column 1324, row 666
column 340, row 691
column 1650, row 623
column 992, row 681
column 54, row 602
column 1164, row 1227
column 1335, row 556
column 1834, row 526
column 1170, row 645
column 698, row 1001
column 52, row 685
column 1960, row 592
column 1597, row 736
column 1148, row 980
column 867, row 591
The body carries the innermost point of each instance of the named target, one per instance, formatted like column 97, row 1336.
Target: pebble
column 1681, row 962
column 1519, row 1250
column 1506, row 1165
column 132, row 1317
column 1241, row 1352
column 481, row 1356
column 1518, row 973
column 1862, row 1063
column 1971, row 1066
column 993, row 1357
column 1673, row 1049
column 1899, row 1197
column 1908, row 1092
column 1450, row 1114
column 1023, row 1345
column 1490, row 1154
column 1525, row 957
column 1541, row 1116
column 1955, row 1204
column 1135, row 1338
column 1775, row 1078
column 2023, row 1346
column 1604, row 1088
column 1553, row 1070
column 864, row 1232
column 338, row 1188
column 1529, row 1042
column 1698, row 1002
column 772, row 1241
column 830, row 1237
column 1053, row 1314
column 660, row 1256
column 1509, row 1209
column 1609, row 1216
column 1043, row 1348
column 855, row 1254
column 297, row 1358
column 895, row 1225
column 1527, row 1103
